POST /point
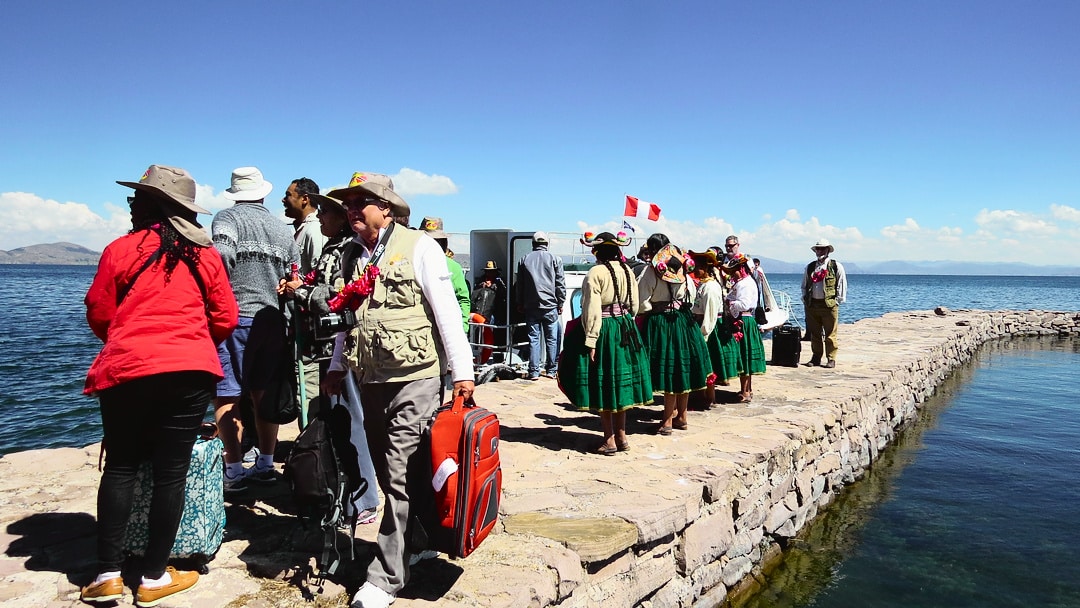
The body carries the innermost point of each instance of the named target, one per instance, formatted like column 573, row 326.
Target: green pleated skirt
column 751, row 349
column 618, row 379
column 678, row 358
column 723, row 350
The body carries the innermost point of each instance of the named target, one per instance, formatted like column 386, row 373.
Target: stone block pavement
column 576, row 528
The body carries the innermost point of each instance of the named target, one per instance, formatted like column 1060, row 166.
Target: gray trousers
column 395, row 416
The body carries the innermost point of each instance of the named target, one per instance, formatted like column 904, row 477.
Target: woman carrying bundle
column 745, row 342
column 603, row 367
column 677, row 356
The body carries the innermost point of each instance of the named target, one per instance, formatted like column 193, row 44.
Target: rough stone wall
column 769, row 500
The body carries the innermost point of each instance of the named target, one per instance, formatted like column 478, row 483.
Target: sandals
column 664, row 430
column 622, row 447
column 607, row 450
column 679, row 426
column 747, row 398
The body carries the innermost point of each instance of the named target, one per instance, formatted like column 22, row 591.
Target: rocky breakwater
column 675, row 521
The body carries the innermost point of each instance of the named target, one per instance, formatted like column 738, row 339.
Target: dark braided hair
column 148, row 213
column 608, row 254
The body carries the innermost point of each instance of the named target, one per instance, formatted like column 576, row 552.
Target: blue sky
column 910, row 131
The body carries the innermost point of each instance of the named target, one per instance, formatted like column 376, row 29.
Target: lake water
column 976, row 504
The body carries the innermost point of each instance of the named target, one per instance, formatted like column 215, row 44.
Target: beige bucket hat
column 373, row 184
column 822, row 243
column 174, row 189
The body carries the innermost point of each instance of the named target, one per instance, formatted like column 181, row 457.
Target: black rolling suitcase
column 786, row 345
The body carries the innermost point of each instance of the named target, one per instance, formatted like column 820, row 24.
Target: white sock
column 234, row 470
column 154, row 583
column 104, row 576
column 265, row 461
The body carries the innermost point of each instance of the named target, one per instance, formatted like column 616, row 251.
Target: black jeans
column 153, row 419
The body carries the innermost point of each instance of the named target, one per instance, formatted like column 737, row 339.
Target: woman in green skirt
column 603, row 367
column 708, row 311
column 740, row 304
column 678, row 359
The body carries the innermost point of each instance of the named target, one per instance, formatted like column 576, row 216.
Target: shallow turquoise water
column 975, row 505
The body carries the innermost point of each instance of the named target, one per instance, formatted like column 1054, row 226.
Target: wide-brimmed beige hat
column 321, row 199
column 434, row 227
column 247, row 184
column 374, row 184
column 822, row 243
column 174, row 189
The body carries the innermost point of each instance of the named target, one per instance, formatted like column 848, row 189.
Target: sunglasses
column 730, row 245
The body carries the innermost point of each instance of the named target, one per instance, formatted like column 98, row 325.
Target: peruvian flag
column 641, row 210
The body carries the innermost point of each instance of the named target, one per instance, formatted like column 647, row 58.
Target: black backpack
column 324, row 477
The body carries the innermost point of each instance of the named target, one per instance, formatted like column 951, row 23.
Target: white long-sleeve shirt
column 709, row 304
column 742, row 299
column 433, row 276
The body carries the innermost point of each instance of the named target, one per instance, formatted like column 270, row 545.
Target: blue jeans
column 546, row 323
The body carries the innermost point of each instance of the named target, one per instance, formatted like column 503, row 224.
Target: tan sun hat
column 174, row 189
column 374, row 184
column 333, row 203
column 247, row 184
column 433, row 226
column 822, row 243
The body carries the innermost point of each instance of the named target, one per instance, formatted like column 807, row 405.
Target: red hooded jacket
column 162, row 325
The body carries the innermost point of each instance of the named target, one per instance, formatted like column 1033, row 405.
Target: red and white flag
column 641, row 209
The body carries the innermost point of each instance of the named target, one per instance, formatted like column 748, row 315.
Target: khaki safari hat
column 174, row 190
column 433, row 226
column 377, row 185
column 822, row 243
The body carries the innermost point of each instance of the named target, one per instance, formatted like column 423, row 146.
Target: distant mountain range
column 67, row 254
column 77, row 255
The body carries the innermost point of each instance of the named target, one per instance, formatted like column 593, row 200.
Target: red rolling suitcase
column 466, row 477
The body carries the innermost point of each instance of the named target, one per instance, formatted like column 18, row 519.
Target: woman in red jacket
column 160, row 302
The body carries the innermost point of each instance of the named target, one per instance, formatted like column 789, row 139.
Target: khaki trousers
column 821, row 322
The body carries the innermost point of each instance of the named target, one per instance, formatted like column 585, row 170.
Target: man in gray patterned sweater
column 258, row 250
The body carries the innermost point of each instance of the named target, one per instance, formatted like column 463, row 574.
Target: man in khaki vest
column 824, row 289
column 407, row 332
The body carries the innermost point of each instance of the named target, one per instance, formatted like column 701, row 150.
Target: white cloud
column 1015, row 223
column 28, row 219
column 1065, row 213
column 410, row 182
column 205, row 198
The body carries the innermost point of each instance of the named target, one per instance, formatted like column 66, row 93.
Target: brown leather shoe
column 108, row 590
column 181, row 582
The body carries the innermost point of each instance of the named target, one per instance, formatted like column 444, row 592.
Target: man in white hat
column 258, row 250
column 407, row 333
column 824, row 289
column 541, row 290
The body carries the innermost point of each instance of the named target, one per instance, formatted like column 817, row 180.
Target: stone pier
column 675, row 521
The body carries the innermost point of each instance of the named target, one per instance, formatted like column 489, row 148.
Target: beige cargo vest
column 394, row 339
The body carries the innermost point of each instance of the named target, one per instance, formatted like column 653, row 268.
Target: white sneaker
column 370, row 596
column 415, row 558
